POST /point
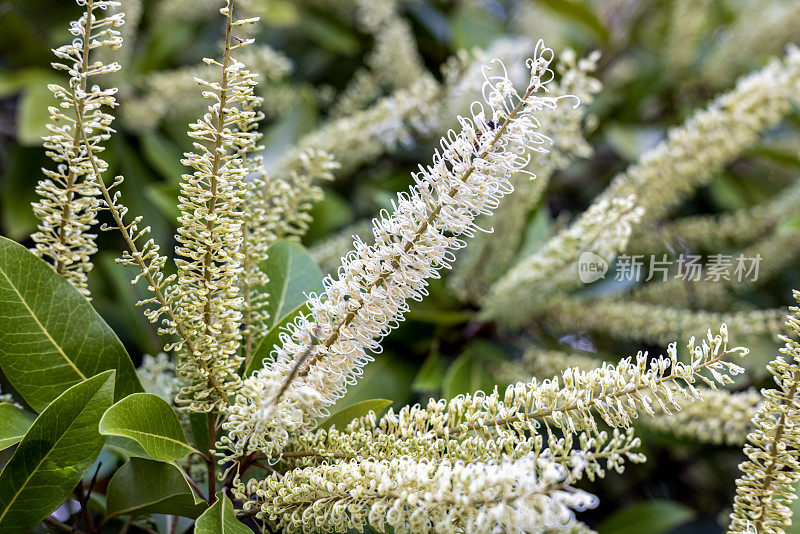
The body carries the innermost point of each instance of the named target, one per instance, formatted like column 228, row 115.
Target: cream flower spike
column 78, row 126
column 420, row 496
column 323, row 352
column 210, row 234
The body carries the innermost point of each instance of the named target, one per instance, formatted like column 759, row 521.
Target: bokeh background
column 661, row 60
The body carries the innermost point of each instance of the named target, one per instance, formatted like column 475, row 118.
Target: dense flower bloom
column 78, row 125
column 323, row 352
column 419, row 496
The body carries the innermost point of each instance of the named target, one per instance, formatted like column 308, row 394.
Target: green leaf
column 387, row 377
column 330, row 35
column 474, row 27
column 291, row 273
column 33, row 109
column 220, row 518
column 430, row 375
column 151, row 422
column 581, row 14
column 163, row 155
column 269, row 341
column 653, row 517
column 126, row 448
column 14, row 422
column 198, row 427
column 343, row 417
column 50, row 336
column 144, row 486
column 54, row 455
column 470, row 371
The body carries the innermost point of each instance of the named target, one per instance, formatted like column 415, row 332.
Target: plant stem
column 212, row 476
column 58, row 525
column 192, row 483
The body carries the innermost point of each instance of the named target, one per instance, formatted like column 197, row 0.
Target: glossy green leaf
column 198, row 427
column 126, row 448
column 14, row 422
column 144, row 486
column 653, row 517
column 343, row 417
column 151, row 422
column 220, row 518
column 470, row 372
column 54, row 455
column 50, row 336
column 269, row 341
column 292, row 273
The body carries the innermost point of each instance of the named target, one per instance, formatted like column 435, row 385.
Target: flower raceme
column 417, row 496
column 78, row 126
column 323, row 352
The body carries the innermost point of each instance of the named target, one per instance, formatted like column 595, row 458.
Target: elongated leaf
column 151, row 422
column 50, row 336
column 269, row 341
column 291, row 273
column 126, row 447
column 341, row 418
column 470, row 372
column 14, row 422
column 220, row 518
column 144, row 486
column 54, row 455
column 198, row 427
column 430, row 375
column 653, row 517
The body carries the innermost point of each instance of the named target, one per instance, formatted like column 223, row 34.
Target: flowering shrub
column 248, row 416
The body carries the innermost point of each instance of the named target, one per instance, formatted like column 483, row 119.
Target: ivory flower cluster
column 207, row 299
column 79, row 124
column 491, row 254
column 570, row 402
column 276, row 207
column 555, row 421
column 393, row 62
column 419, row 496
column 718, row 416
column 660, row 179
column 323, row 352
column 653, row 322
column 712, row 232
column 173, row 93
column 604, row 229
column 766, row 490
